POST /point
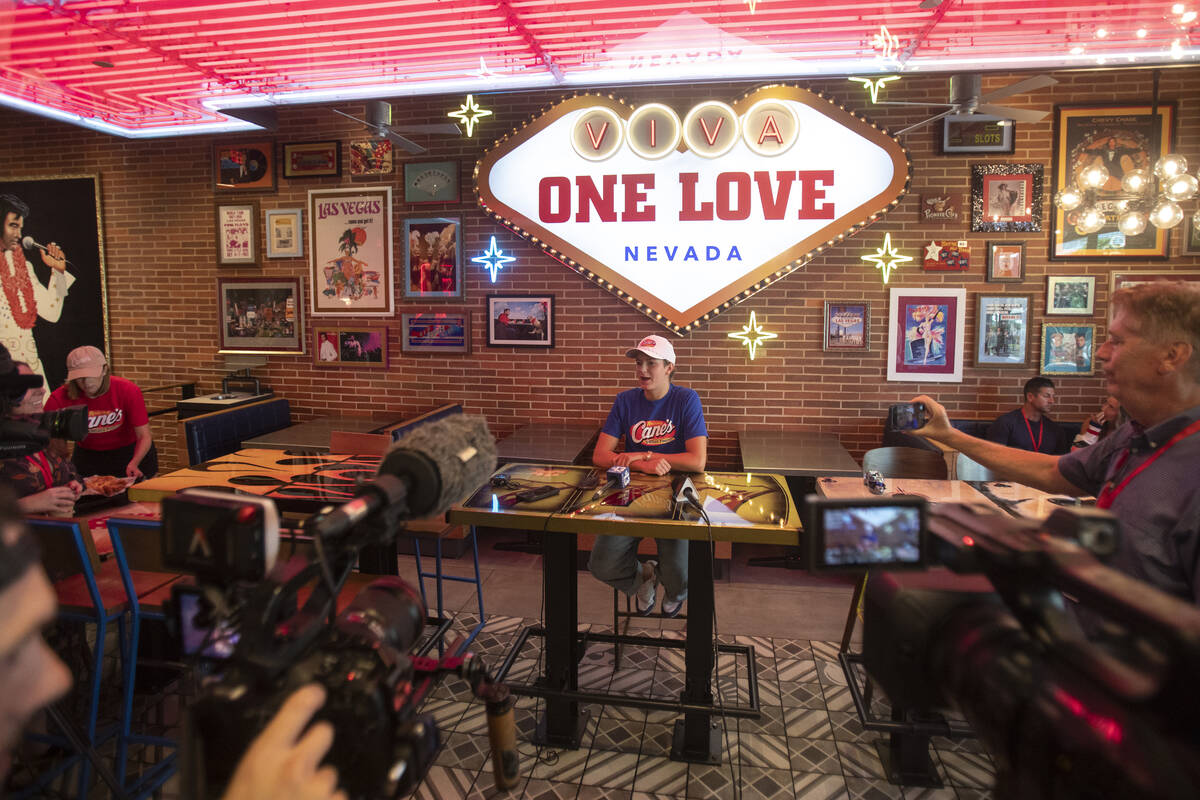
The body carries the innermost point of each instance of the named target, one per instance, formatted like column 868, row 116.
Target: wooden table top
column 1029, row 502
column 314, row 434
column 931, row 490
column 795, row 453
column 547, row 443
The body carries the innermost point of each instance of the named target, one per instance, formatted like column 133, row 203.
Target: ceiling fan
column 966, row 99
column 379, row 123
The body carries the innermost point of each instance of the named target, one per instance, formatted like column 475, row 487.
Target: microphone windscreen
column 461, row 449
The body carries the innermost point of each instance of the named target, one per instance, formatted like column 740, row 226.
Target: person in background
column 118, row 441
column 664, row 430
column 1030, row 427
column 1100, row 424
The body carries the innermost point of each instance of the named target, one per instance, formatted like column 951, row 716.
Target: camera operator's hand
column 939, row 421
column 281, row 764
column 58, row 501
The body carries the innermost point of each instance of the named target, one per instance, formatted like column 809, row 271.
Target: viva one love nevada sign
column 683, row 215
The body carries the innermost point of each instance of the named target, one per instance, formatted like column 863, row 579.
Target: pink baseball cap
column 655, row 347
column 85, row 362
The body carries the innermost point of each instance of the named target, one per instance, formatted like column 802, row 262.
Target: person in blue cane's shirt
column 663, row 428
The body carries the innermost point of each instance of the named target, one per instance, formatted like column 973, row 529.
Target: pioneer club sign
column 684, row 214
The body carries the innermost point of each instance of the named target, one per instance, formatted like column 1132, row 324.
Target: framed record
column 244, row 167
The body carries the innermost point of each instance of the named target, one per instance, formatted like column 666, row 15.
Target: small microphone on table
column 29, row 244
column 618, row 478
column 685, row 491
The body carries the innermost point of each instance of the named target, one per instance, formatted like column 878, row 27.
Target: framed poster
column 847, row 326
column 312, row 159
column 520, row 320
column 1005, row 262
column 1122, row 138
column 943, row 209
column 237, row 233
column 925, row 335
column 350, row 251
column 371, row 157
column 284, row 232
column 433, row 257
column 431, row 182
column 353, row 347
column 1002, row 330
column 949, row 256
column 1067, row 349
column 1190, row 231
column 1006, row 198
column 240, row 167
column 436, row 332
column 1122, row 280
column 260, row 315
column 977, row 133
column 1070, row 295
column 65, row 210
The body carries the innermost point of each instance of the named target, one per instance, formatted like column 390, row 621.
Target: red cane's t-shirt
column 111, row 417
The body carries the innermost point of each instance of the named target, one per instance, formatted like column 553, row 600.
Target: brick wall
column 158, row 215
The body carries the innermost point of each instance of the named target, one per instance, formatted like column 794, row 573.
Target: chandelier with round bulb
column 1152, row 197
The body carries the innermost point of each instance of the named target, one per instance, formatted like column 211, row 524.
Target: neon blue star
column 492, row 260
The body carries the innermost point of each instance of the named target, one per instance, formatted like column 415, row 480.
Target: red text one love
column 736, row 196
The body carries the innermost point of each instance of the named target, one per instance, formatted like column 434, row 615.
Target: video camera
column 264, row 626
column 1080, row 679
column 19, row 437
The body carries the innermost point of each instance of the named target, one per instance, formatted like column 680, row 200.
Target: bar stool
column 439, row 575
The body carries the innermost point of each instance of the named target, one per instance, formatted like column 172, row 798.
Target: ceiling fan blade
column 1015, row 114
column 448, row 128
column 408, row 145
column 1020, row 87
column 934, row 118
column 349, row 116
column 907, row 103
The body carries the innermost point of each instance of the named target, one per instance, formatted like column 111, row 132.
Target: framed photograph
column 312, row 159
column 285, row 231
column 436, row 332
column 242, row 167
column 943, row 209
column 260, row 315
column 350, row 251
column 1006, row 198
column 953, row 256
column 1067, row 349
column 523, row 320
column 1122, row 280
column 1190, row 231
column 433, row 257
column 64, row 209
column 431, row 182
column 1122, row 138
column 351, row 347
column 237, row 233
column 977, row 133
column 1070, row 295
column 925, row 335
column 1005, row 262
column 1002, row 330
column 847, row 326
column 371, row 157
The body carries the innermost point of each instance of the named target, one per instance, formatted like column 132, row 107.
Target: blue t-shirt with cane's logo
column 660, row 426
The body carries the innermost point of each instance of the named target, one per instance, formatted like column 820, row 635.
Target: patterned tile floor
column 808, row 743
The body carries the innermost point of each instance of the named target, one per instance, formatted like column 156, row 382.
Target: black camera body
column 19, row 437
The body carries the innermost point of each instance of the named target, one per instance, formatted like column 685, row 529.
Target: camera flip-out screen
column 884, row 532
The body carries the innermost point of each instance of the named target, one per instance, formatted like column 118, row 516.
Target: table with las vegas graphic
column 741, row 507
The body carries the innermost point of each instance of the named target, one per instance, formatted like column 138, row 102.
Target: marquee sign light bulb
column 886, row 258
column 753, row 335
column 873, row 85
column 469, row 114
column 493, row 259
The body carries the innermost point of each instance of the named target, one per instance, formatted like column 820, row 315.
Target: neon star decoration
column 469, row 114
column 886, row 43
column 886, row 259
column 753, row 335
column 873, row 85
column 492, row 260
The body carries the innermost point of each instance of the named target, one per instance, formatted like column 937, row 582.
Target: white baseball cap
column 655, row 347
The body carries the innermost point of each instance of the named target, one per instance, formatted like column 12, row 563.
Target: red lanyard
column 1037, row 446
column 1108, row 495
column 42, row 464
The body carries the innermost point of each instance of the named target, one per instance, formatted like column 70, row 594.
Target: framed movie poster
column 240, row 167
column 237, row 233
column 350, row 251
column 925, row 335
column 1067, row 349
column 351, row 347
column 977, row 133
column 64, row 209
column 1002, row 330
column 847, row 326
column 431, row 182
column 1122, row 138
column 312, row 159
column 436, row 332
column 1005, row 262
column 1006, row 198
column 1075, row 294
column 1190, row 231
column 371, row 157
column 260, row 315
column 433, row 257
column 284, row 229
column 1122, row 280
column 520, row 320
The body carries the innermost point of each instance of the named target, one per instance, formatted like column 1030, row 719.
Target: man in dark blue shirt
column 1030, row 427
